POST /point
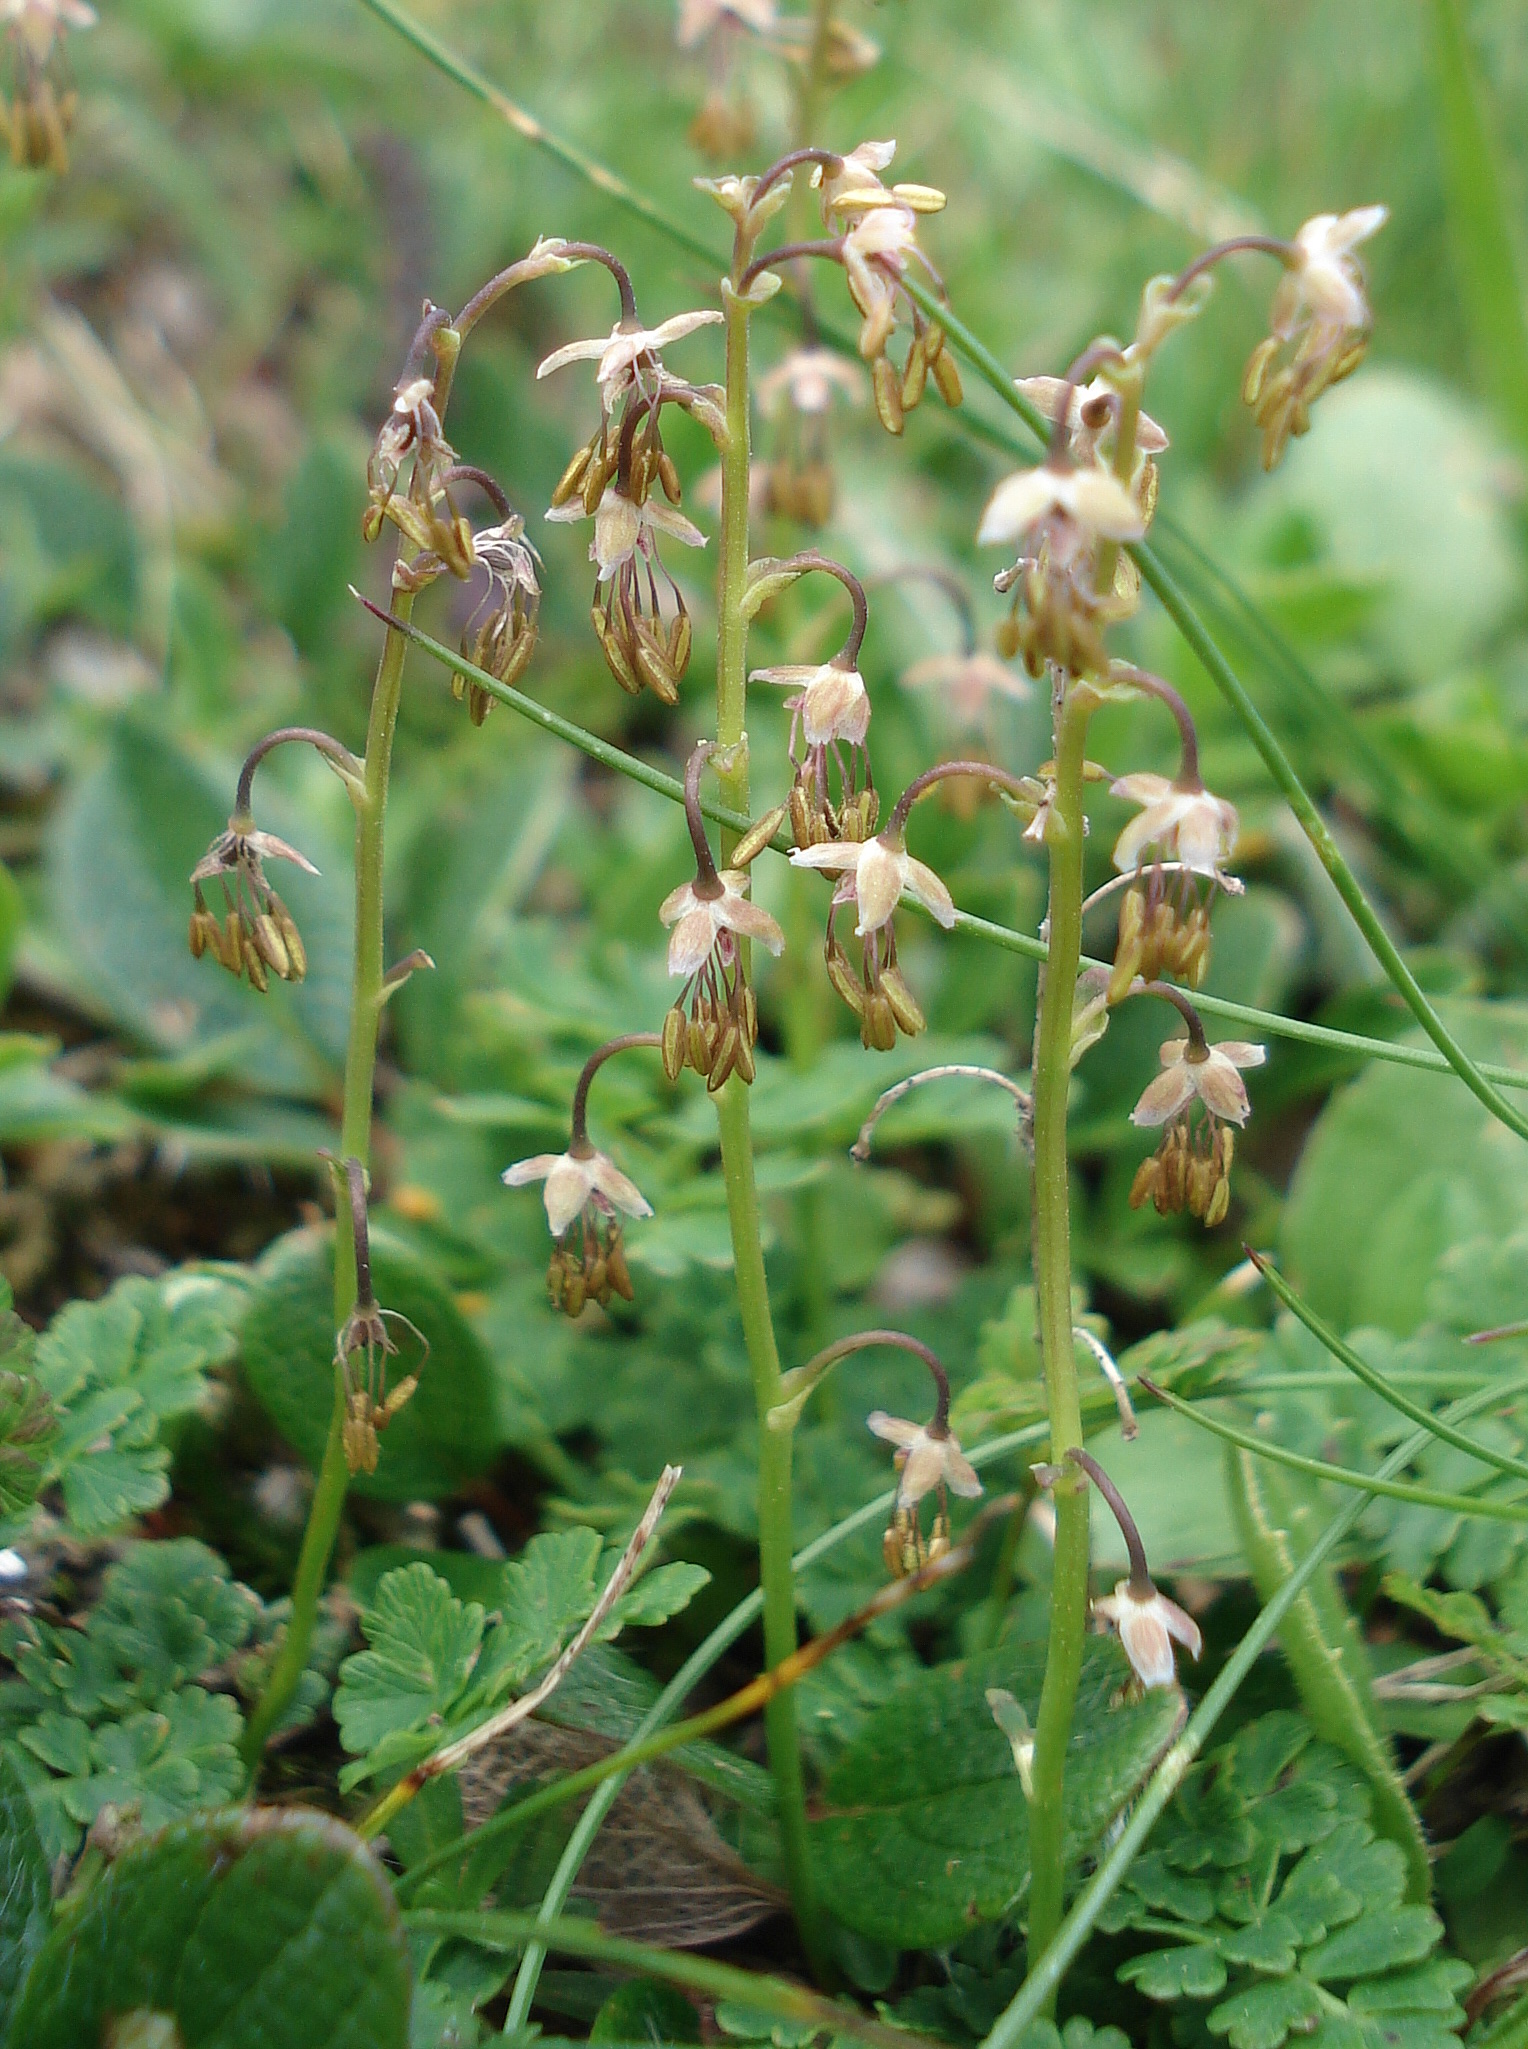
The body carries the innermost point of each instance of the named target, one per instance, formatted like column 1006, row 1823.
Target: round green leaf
column 248, row 1927
column 926, row 1826
column 444, row 1435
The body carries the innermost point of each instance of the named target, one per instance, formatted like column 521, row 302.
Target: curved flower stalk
column 714, row 1025
column 257, row 935
column 1147, row 1622
column 1190, row 834
column 586, row 1195
column 644, row 635
column 833, row 796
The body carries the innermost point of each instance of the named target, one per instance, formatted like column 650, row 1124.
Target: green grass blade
column 1480, row 229
column 774, row 1996
column 1378, row 1384
column 1344, row 1476
column 1039, row 1988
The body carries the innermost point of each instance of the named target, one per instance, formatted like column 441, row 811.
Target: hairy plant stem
column 732, row 1118
column 1053, row 1284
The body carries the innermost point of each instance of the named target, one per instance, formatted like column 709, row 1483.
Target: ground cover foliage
column 358, row 1583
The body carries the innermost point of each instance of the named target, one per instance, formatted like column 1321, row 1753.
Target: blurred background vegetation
column 200, row 326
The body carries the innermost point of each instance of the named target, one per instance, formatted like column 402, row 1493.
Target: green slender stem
column 1377, row 1383
column 775, row 1996
column 366, row 999
column 1037, row 1994
column 1489, row 1509
column 1053, row 1285
column 775, row 1446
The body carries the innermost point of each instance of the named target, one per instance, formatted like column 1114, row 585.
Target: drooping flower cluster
column 257, row 935
column 876, row 226
column 833, row 795
column 713, row 1025
column 586, row 1195
column 796, row 481
column 1191, row 1168
column 364, row 1345
column 1319, row 327
column 644, row 634
column 38, row 117
column 1147, row 1622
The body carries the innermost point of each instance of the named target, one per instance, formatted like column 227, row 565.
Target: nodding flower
column 1148, row 1623
column 585, row 1190
column 631, row 354
column 1191, row 1168
column 1319, row 327
column 714, row 1025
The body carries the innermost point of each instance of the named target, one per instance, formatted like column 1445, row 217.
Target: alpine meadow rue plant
column 1068, row 524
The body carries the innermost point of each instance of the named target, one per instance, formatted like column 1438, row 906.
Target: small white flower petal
column 523, row 1172
column 894, row 1429
column 1164, row 1096
column 606, row 1176
column 926, row 888
column 879, row 877
column 567, row 1190
column 691, row 940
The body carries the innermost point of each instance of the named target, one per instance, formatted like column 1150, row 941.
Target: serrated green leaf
column 116, row 1370
column 926, row 1825
column 1260, row 2015
column 164, row 1764
column 657, row 1597
column 1193, row 1972
column 25, row 1893
column 1268, row 1944
column 250, row 1927
column 1376, row 1941
column 1429, row 1988
column 1155, row 1882
column 446, row 1434
column 424, row 1645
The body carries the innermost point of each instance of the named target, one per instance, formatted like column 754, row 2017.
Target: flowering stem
column 1053, row 1282
column 706, row 876
column 832, row 250
column 368, row 994
column 1266, row 245
column 737, row 1150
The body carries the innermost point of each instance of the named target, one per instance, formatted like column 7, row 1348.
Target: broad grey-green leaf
column 423, row 1646
column 926, row 1825
column 1370, row 1260
column 249, row 1927
column 25, row 1893
column 444, row 1435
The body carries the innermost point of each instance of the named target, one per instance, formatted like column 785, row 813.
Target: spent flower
column 1319, row 327
column 37, row 119
column 1191, row 1168
column 257, row 935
